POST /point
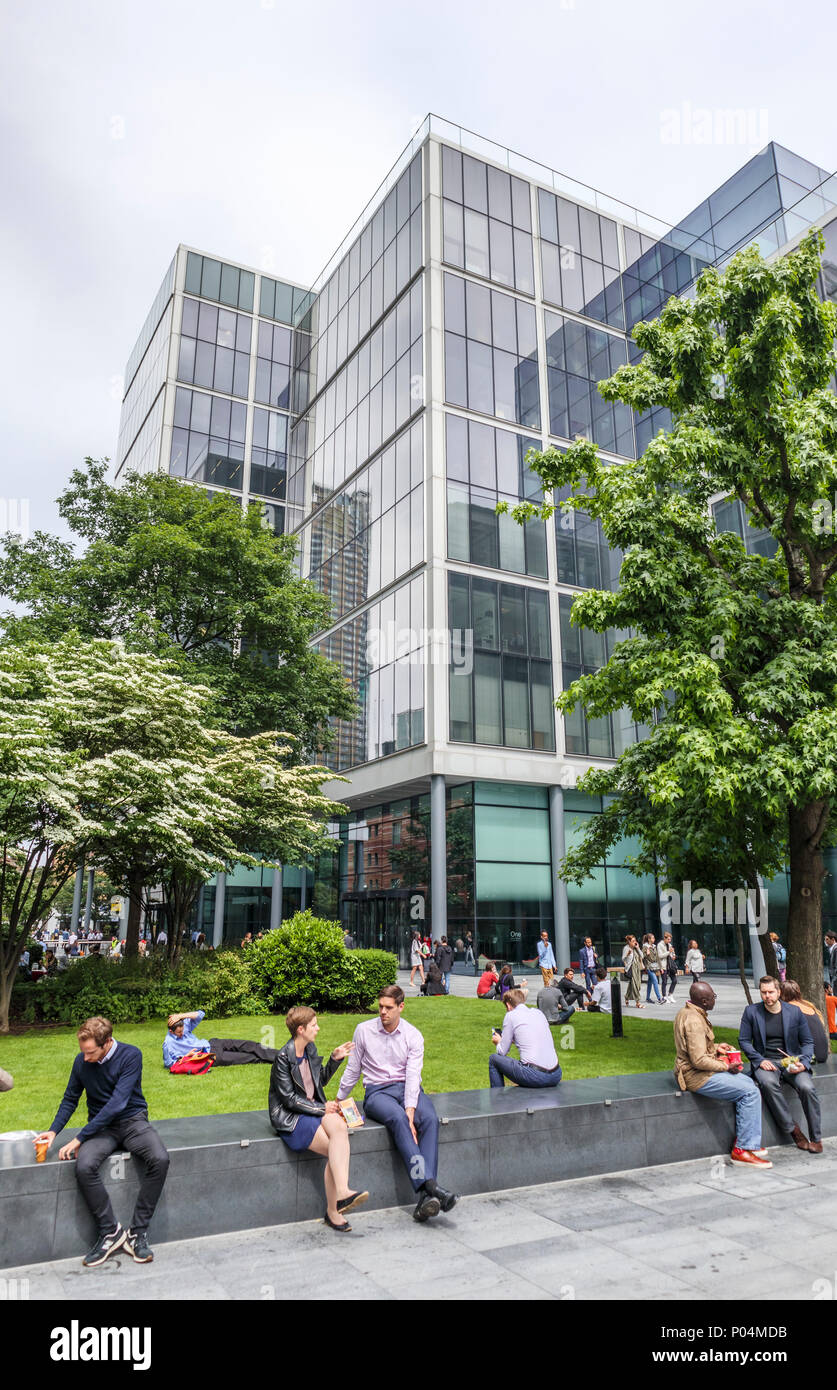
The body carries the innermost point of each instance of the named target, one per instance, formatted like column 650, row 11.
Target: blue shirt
column 546, row 958
column 178, row 1047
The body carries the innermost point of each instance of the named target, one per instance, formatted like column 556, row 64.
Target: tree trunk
column 134, row 911
column 807, row 872
column 6, row 983
column 739, row 936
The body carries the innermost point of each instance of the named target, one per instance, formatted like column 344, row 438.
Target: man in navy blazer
column 769, row 1033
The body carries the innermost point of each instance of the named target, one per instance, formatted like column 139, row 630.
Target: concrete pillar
column 79, row 884
column 560, row 902
column 220, row 900
column 438, row 859
column 303, row 887
column 276, row 898
column 88, row 905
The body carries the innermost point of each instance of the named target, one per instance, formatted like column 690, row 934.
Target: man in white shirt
column 601, row 1002
column 529, row 1031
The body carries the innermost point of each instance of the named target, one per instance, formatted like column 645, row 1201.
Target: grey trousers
column 771, row 1083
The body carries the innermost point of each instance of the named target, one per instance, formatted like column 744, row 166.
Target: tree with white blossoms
column 112, row 757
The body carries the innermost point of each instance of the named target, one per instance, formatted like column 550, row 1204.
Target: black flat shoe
column 354, row 1199
column 334, row 1226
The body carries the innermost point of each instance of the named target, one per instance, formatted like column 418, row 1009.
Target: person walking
column 695, row 962
column 304, row 1119
column 588, row 960
column 632, row 965
column 110, row 1072
column 831, row 947
column 546, row 958
column 671, row 964
column 781, row 955
column 470, row 958
column 416, row 958
column 651, row 961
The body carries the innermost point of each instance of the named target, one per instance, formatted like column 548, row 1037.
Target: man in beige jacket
column 702, row 1066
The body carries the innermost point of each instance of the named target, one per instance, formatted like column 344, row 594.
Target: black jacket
column 444, row 958
column 286, row 1099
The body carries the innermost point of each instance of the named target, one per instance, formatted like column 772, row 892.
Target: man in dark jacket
column 575, row 995
column 777, row 1040
column 444, row 960
column 117, row 1118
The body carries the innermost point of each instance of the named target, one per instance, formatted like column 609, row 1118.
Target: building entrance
column 380, row 921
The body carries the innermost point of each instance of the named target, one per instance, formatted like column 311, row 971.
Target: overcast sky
column 257, row 130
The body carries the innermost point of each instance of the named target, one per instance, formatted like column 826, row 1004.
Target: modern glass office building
column 380, row 415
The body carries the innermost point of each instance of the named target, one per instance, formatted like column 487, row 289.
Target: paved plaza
column 731, row 1004
column 678, row 1232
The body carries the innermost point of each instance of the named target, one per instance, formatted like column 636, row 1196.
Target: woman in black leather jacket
column 301, row 1115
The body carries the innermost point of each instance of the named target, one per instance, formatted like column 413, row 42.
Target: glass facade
column 486, row 466
column 491, row 353
column 434, row 329
column 503, row 695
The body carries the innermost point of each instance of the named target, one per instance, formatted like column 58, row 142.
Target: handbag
column 193, row 1064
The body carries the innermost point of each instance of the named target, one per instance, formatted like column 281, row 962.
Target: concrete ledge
column 232, row 1173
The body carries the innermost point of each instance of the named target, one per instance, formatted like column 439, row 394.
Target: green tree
column 110, row 756
column 735, row 654
column 177, row 573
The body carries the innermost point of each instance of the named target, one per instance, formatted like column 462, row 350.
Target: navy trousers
column 386, row 1105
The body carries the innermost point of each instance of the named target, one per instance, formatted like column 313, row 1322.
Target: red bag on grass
column 193, row 1064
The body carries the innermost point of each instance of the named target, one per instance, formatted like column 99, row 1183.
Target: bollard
column 616, row 1005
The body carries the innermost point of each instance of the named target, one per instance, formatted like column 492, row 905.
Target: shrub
column 305, row 962
column 138, row 990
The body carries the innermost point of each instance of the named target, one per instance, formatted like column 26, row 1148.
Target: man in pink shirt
column 390, row 1051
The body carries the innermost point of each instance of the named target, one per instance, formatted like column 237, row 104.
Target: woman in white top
column 416, row 958
column 632, row 965
column 695, row 961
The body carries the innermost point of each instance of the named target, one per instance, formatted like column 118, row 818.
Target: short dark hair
column 770, row 980
column 601, row 973
column 568, row 970
column 392, row 992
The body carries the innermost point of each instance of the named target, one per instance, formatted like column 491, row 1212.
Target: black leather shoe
column 447, row 1200
column 426, row 1207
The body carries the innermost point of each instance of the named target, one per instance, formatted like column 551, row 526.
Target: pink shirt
column 385, row 1058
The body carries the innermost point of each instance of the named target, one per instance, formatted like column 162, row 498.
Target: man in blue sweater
column 110, row 1073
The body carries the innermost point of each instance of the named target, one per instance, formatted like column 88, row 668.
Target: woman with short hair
column 304, row 1119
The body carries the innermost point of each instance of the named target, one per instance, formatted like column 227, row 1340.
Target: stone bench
column 231, row 1172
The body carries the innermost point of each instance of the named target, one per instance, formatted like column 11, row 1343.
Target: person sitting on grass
column 487, row 982
column 573, row 993
column 602, row 1001
column 228, row 1052
column 528, row 1030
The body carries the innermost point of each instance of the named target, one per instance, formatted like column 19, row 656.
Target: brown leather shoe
column 814, row 1146
column 799, row 1139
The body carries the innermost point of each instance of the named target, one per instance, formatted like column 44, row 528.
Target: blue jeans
column 747, row 1099
column 446, row 980
column 501, row 1067
column 386, row 1105
column 652, row 979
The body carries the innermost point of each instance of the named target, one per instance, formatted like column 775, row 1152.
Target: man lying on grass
column 227, row 1052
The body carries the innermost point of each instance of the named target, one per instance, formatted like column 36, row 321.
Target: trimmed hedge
column 303, row 962
column 134, row 992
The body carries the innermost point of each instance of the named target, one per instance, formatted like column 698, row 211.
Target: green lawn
column 457, row 1035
